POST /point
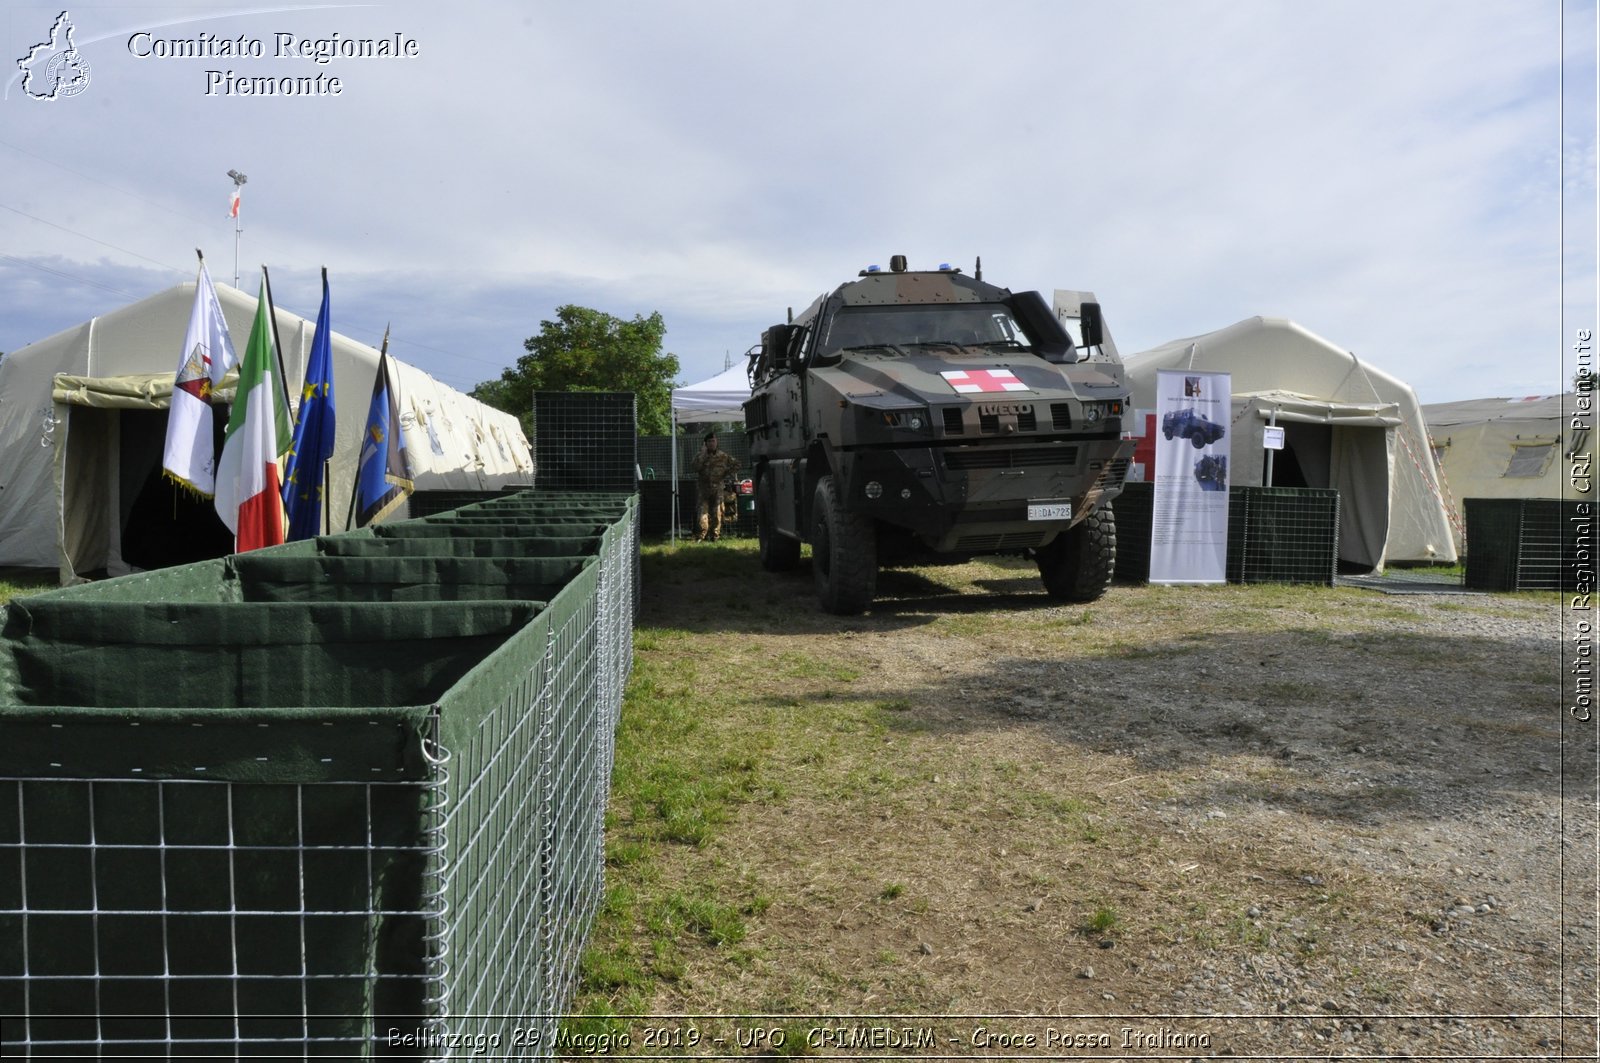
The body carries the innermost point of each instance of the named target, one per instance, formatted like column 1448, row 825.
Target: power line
column 86, row 236
column 179, row 214
column 70, row 276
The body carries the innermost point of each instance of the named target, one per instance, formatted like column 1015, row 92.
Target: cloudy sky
column 1394, row 176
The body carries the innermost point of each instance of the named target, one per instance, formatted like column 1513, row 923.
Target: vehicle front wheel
column 844, row 553
column 1078, row 565
column 779, row 553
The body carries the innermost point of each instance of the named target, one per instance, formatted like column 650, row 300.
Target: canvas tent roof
column 1351, row 426
column 1508, row 448
column 68, row 473
column 721, row 398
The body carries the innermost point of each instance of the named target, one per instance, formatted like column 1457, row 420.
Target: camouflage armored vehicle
column 915, row 412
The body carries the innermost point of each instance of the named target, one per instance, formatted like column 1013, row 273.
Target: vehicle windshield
column 966, row 325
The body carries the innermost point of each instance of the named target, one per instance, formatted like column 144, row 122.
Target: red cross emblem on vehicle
column 971, row 381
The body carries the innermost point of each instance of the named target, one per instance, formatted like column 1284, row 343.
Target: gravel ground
column 1280, row 822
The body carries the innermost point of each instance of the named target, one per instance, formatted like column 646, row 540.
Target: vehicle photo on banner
column 1189, row 522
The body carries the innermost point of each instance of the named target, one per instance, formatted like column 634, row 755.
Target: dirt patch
column 1225, row 820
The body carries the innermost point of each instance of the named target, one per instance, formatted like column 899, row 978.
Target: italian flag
column 249, row 488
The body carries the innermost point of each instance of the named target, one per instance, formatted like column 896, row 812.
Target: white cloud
column 1385, row 174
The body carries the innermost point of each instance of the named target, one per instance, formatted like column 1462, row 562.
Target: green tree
column 588, row 350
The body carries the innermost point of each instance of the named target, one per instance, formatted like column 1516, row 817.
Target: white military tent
column 82, row 423
column 719, row 398
column 1347, row 425
column 1508, row 448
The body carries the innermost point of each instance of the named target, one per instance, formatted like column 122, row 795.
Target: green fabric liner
column 441, row 545
column 598, row 509
column 68, row 668
column 401, row 579
column 516, row 520
column 539, row 528
column 431, row 529
column 195, row 582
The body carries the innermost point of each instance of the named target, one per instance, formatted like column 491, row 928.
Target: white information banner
column 1189, row 520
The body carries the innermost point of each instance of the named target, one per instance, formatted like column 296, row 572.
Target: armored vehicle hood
column 948, row 373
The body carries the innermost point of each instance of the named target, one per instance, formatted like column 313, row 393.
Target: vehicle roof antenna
column 791, row 315
column 977, row 269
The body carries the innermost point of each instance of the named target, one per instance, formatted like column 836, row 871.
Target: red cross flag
column 971, row 381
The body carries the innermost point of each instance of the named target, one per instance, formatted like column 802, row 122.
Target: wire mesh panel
column 584, row 441
column 1275, row 534
column 1525, row 544
column 523, row 837
column 279, row 870
column 1283, row 535
column 656, row 486
column 200, row 917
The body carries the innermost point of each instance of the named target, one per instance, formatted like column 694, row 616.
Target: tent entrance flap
column 118, row 512
column 1361, row 460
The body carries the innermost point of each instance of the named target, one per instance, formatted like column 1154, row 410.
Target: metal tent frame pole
column 673, row 441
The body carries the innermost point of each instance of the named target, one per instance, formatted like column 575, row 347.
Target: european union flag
column 303, row 487
column 384, row 479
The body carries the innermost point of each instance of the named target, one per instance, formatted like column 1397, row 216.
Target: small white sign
column 1272, row 438
column 1050, row 511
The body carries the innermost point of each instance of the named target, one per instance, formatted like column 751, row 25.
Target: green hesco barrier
column 218, row 657
column 402, row 579
column 304, row 828
column 432, row 529
column 536, row 528
column 596, row 508
column 516, row 520
column 219, row 815
column 448, row 545
column 195, row 582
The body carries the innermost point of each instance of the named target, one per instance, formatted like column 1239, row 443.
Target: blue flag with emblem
column 303, row 485
column 384, row 478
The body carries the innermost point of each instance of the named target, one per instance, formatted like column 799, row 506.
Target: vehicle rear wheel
column 1078, row 565
column 844, row 553
column 779, row 553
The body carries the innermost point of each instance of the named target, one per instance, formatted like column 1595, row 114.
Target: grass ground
column 973, row 795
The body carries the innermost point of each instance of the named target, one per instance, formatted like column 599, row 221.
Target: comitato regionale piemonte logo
column 54, row 68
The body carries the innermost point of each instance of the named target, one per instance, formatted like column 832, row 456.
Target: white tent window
column 1529, row 460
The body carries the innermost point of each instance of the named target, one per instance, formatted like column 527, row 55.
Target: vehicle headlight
column 915, row 419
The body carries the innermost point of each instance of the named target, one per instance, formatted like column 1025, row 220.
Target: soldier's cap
column 711, row 435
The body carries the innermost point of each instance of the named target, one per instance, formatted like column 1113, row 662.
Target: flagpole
column 237, row 211
column 355, row 490
column 326, row 502
column 277, row 346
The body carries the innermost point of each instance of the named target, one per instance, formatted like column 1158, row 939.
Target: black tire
column 844, row 553
column 779, row 553
column 1078, row 565
column 1198, row 440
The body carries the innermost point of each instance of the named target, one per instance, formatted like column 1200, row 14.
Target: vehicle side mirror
column 1091, row 325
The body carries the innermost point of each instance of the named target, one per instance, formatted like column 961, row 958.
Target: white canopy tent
column 1348, row 425
column 721, row 398
column 83, row 419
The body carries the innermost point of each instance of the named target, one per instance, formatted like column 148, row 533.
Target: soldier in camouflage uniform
column 711, row 468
